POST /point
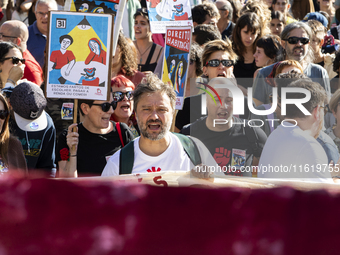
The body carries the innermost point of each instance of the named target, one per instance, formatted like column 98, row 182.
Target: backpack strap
column 252, row 138
column 127, row 154
column 190, row 148
column 119, row 130
column 126, row 158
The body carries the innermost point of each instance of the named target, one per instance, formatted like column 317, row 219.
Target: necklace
column 141, row 54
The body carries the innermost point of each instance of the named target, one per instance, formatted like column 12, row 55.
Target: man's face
column 296, row 51
column 154, row 115
column 6, row 34
column 218, row 111
column 221, row 70
column 41, row 14
column 210, row 20
column 65, row 43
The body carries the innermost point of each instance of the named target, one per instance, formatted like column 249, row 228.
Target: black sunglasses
column 294, row 40
column 15, row 60
column 106, row 106
column 119, row 96
column 3, row 114
column 216, row 62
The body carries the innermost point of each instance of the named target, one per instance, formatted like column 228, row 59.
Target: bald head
column 15, row 31
column 223, row 6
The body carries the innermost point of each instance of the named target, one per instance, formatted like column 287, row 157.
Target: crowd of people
column 261, row 100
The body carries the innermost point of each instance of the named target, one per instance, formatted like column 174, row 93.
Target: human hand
column 16, row 73
column 72, row 138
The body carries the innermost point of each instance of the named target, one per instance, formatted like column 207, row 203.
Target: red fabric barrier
column 44, row 216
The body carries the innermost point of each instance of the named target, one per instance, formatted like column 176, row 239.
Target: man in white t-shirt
column 292, row 151
column 156, row 149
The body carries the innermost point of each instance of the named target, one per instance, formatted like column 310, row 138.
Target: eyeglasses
column 119, row 96
column 6, row 36
column 15, row 60
column 216, row 62
column 106, row 106
column 325, row 108
column 3, row 114
column 295, row 40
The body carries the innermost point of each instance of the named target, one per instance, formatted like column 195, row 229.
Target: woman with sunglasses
column 12, row 64
column 247, row 31
column 122, row 94
column 11, row 152
column 148, row 51
column 86, row 150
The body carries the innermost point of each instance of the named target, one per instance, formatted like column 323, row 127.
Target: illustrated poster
column 176, row 60
column 165, row 13
column 79, row 55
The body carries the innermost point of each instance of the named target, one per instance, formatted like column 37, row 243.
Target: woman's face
column 276, row 27
column 141, row 27
column 125, row 107
column 261, row 59
column 220, row 70
column 7, row 64
column 248, row 37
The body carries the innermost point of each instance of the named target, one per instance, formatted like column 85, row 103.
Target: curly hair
column 261, row 10
column 195, row 55
column 127, row 56
column 200, row 11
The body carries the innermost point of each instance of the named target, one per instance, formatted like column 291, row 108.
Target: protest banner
column 177, row 60
column 114, row 7
column 168, row 13
column 79, row 51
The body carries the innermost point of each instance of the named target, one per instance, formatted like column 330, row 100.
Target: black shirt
column 94, row 149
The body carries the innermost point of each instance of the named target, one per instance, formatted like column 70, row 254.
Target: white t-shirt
column 292, row 153
column 173, row 158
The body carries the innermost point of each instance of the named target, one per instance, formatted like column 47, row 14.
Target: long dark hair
column 253, row 23
column 4, row 135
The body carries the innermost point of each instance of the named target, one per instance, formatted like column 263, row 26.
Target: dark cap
column 28, row 100
column 316, row 16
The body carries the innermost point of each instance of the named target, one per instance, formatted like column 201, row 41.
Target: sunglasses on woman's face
column 3, row 114
column 119, row 96
column 15, row 60
column 216, row 62
column 106, row 106
column 295, row 40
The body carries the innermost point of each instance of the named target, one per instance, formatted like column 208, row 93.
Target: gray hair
column 227, row 6
column 302, row 25
column 51, row 3
column 290, row 27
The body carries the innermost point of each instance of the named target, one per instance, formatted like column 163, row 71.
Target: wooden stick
column 75, row 116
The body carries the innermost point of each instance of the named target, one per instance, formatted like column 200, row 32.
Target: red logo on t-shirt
column 222, row 156
column 153, row 169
